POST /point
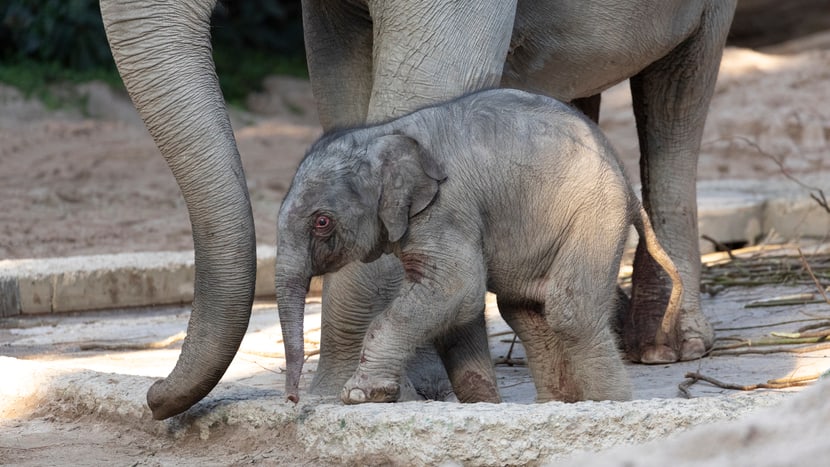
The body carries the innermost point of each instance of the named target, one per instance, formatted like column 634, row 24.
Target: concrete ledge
column 88, row 282
column 744, row 211
column 55, row 285
column 412, row 433
column 730, row 217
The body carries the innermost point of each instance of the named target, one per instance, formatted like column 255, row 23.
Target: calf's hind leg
column 570, row 346
column 551, row 374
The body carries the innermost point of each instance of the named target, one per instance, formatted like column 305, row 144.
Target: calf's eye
column 323, row 225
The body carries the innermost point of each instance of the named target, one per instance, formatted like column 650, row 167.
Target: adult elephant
column 371, row 60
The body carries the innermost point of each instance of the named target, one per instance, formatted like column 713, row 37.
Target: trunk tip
column 160, row 405
column 166, row 400
column 293, row 398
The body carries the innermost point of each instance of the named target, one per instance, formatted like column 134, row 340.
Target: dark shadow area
column 760, row 23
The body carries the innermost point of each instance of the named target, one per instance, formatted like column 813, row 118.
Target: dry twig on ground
column 815, row 193
column 810, row 327
column 771, row 350
column 720, row 246
column 823, row 323
column 779, row 383
column 508, row 359
column 767, row 270
column 813, row 276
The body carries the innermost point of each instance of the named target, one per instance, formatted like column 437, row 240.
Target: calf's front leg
column 439, row 291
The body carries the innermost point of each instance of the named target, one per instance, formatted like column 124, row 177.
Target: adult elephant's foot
column 643, row 339
column 646, row 343
column 696, row 333
column 690, row 342
column 363, row 387
column 427, row 377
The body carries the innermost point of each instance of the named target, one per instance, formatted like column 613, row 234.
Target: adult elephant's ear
column 409, row 180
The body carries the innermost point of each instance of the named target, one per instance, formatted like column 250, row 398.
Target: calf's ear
column 409, row 178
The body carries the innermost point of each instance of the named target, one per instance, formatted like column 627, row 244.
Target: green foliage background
column 43, row 42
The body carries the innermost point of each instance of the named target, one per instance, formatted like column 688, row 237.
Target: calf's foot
column 362, row 387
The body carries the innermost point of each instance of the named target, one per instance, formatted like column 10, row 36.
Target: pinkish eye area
column 323, row 225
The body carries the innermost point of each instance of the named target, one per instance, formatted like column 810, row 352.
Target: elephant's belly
column 580, row 48
column 529, row 293
column 519, row 283
column 558, row 78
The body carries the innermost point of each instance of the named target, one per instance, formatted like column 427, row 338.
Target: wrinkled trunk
column 163, row 54
column 292, row 281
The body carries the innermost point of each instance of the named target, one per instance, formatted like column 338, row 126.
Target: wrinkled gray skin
column 505, row 191
column 369, row 61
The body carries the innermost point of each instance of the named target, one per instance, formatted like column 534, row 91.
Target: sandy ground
column 73, row 185
column 83, row 181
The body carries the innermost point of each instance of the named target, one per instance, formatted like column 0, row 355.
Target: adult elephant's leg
column 163, row 54
column 338, row 42
column 431, row 51
column 671, row 99
column 427, row 377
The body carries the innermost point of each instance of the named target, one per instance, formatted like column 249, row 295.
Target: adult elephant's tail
column 163, row 54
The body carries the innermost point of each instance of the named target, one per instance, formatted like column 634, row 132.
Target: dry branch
column 769, row 269
column 822, row 334
column 780, row 383
column 767, row 351
column 501, row 333
column 815, row 279
column 508, row 359
column 815, row 193
column 778, row 339
column 810, row 327
column 769, row 325
column 784, row 300
column 720, row 246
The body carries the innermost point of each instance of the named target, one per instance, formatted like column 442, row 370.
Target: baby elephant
column 501, row 190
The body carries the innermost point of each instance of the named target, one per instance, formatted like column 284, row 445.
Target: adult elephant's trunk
column 163, row 54
column 292, row 280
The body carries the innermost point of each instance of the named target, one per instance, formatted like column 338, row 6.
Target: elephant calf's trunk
column 291, row 293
